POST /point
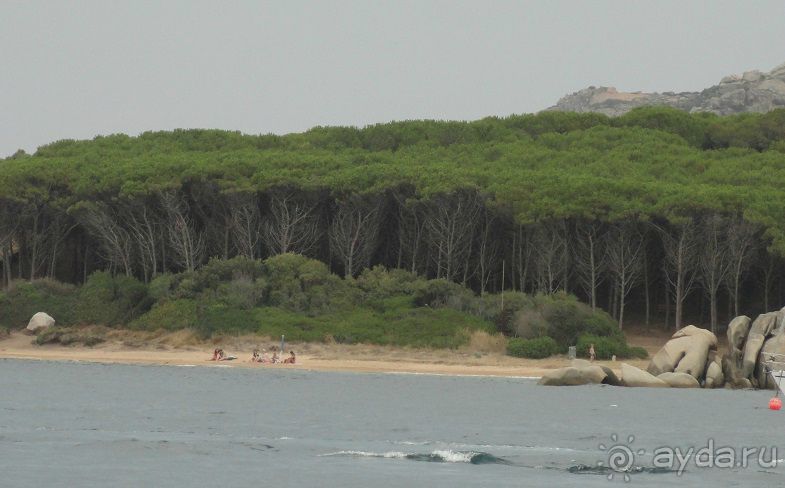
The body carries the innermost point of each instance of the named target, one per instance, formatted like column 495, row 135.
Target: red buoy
column 775, row 403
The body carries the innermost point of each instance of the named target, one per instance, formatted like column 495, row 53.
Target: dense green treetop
column 653, row 162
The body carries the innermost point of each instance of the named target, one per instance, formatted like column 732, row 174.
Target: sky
column 77, row 69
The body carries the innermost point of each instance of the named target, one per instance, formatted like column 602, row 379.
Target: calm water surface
column 93, row 425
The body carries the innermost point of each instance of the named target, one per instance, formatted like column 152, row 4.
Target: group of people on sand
column 261, row 357
column 258, row 357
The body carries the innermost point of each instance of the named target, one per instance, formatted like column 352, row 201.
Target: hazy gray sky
column 77, row 69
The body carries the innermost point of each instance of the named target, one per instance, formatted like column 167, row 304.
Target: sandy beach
column 180, row 349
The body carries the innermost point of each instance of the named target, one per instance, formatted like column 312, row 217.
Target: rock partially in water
column 572, row 376
column 679, row 380
column 632, row 376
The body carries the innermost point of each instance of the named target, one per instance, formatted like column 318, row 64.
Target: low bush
column 607, row 347
column 299, row 297
column 442, row 293
column 67, row 336
column 168, row 315
column 539, row 348
column 379, row 283
column 111, row 300
column 23, row 299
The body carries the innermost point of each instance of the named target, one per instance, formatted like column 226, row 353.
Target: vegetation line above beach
column 298, row 297
column 675, row 216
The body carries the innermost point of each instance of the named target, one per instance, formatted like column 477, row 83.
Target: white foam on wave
column 445, row 455
column 455, row 456
column 388, row 455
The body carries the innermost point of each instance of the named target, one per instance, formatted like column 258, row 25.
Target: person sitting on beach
column 275, row 357
column 223, row 357
column 256, row 358
column 215, row 354
column 290, row 359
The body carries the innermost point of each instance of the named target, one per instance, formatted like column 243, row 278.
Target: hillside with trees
column 657, row 216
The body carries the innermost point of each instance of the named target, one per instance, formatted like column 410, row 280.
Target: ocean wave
column 604, row 470
column 438, row 456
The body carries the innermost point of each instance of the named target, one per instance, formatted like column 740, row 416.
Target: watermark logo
column 622, row 459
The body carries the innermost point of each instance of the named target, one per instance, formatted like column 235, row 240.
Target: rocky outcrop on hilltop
column 753, row 91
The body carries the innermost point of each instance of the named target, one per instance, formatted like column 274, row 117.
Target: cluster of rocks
column 753, row 91
column 690, row 360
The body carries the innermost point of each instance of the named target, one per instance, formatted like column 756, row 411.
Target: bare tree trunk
column 681, row 250
column 487, row 252
column 522, row 254
column 114, row 242
column 9, row 224
column 741, row 246
column 451, row 222
column 187, row 242
column 625, row 248
column 713, row 261
column 291, row 225
column 589, row 257
column 353, row 234
column 549, row 243
column 245, row 225
column 667, row 307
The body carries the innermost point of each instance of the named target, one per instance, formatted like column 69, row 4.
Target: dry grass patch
column 481, row 341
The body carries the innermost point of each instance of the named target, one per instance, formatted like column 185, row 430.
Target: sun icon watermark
column 620, row 457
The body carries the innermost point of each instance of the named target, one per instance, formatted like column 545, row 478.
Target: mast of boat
column 774, row 365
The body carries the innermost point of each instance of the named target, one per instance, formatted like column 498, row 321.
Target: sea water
column 101, row 425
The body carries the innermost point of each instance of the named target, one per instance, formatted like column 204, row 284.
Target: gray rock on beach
column 41, row 320
column 679, row 380
column 696, row 356
column 686, row 352
column 738, row 329
column 572, row 376
column 761, row 328
column 632, row 376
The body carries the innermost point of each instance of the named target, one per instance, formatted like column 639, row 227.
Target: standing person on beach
column 592, row 355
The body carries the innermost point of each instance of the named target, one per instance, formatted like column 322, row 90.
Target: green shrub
column 305, row 285
column 539, row 348
column 218, row 271
column 607, row 347
column 440, row 293
column 242, row 293
column 638, row 352
column 66, row 337
column 24, row 299
column 380, row 283
column 529, row 324
column 161, row 287
column 168, row 315
column 111, row 300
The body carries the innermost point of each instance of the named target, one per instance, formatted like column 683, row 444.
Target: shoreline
column 310, row 357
